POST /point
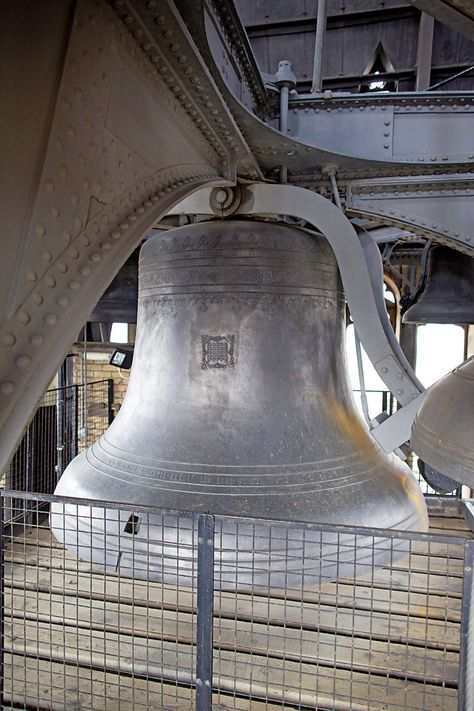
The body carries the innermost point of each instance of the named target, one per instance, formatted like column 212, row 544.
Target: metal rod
column 61, row 395
column 85, row 417
column 466, row 661
column 450, row 79
column 205, row 610
column 2, row 602
column 318, row 46
column 335, row 189
column 75, row 427
column 284, row 99
column 29, row 469
column 360, row 368
column 333, row 528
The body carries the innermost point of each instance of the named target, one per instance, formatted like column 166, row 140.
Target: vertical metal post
column 205, row 609
column 318, row 46
column 424, row 52
column 466, row 661
column 110, row 400
column 29, row 484
column 284, row 98
column 2, row 600
column 285, row 79
column 60, row 431
column 75, row 424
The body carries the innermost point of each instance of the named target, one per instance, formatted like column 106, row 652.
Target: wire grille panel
column 67, row 421
column 187, row 611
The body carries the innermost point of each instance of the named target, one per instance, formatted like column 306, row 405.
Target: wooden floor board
column 380, row 623
column 309, row 644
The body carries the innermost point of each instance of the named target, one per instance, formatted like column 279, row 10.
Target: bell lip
column 439, row 448
column 443, row 454
column 238, row 567
column 450, row 319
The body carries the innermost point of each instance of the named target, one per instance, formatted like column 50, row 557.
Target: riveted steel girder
column 363, row 135
column 109, row 121
column 417, row 132
column 441, row 208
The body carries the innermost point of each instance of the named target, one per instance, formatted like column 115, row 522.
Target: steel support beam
column 319, row 47
column 441, row 208
column 133, row 122
column 424, row 52
column 426, row 132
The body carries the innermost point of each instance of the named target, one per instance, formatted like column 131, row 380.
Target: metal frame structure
column 140, row 104
column 391, row 631
column 148, row 102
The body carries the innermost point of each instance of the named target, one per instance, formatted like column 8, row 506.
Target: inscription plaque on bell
column 217, row 352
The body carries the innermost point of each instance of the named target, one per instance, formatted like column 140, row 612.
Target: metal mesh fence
column 145, row 609
column 67, row 421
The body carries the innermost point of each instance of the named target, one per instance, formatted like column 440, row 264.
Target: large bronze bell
column 238, row 404
column 442, row 430
column 448, row 295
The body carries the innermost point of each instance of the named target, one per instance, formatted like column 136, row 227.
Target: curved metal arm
column 360, row 267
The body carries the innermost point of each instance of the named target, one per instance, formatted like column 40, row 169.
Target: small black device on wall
column 121, row 358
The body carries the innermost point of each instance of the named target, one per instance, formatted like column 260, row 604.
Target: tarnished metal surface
column 120, row 300
column 238, row 401
column 440, row 207
column 359, row 264
column 441, row 483
column 442, row 430
column 127, row 127
column 137, row 105
column 448, row 295
column 370, row 153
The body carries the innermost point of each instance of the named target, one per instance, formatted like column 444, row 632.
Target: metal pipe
column 335, row 189
column 318, row 46
column 284, row 100
column 450, row 79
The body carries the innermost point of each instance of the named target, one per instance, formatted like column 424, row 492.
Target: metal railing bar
column 286, row 525
column 205, row 612
column 466, row 661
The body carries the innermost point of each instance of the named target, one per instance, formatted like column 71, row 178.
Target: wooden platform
column 77, row 639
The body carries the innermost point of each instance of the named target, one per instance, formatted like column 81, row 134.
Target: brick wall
column 97, row 367
column 94, row 366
